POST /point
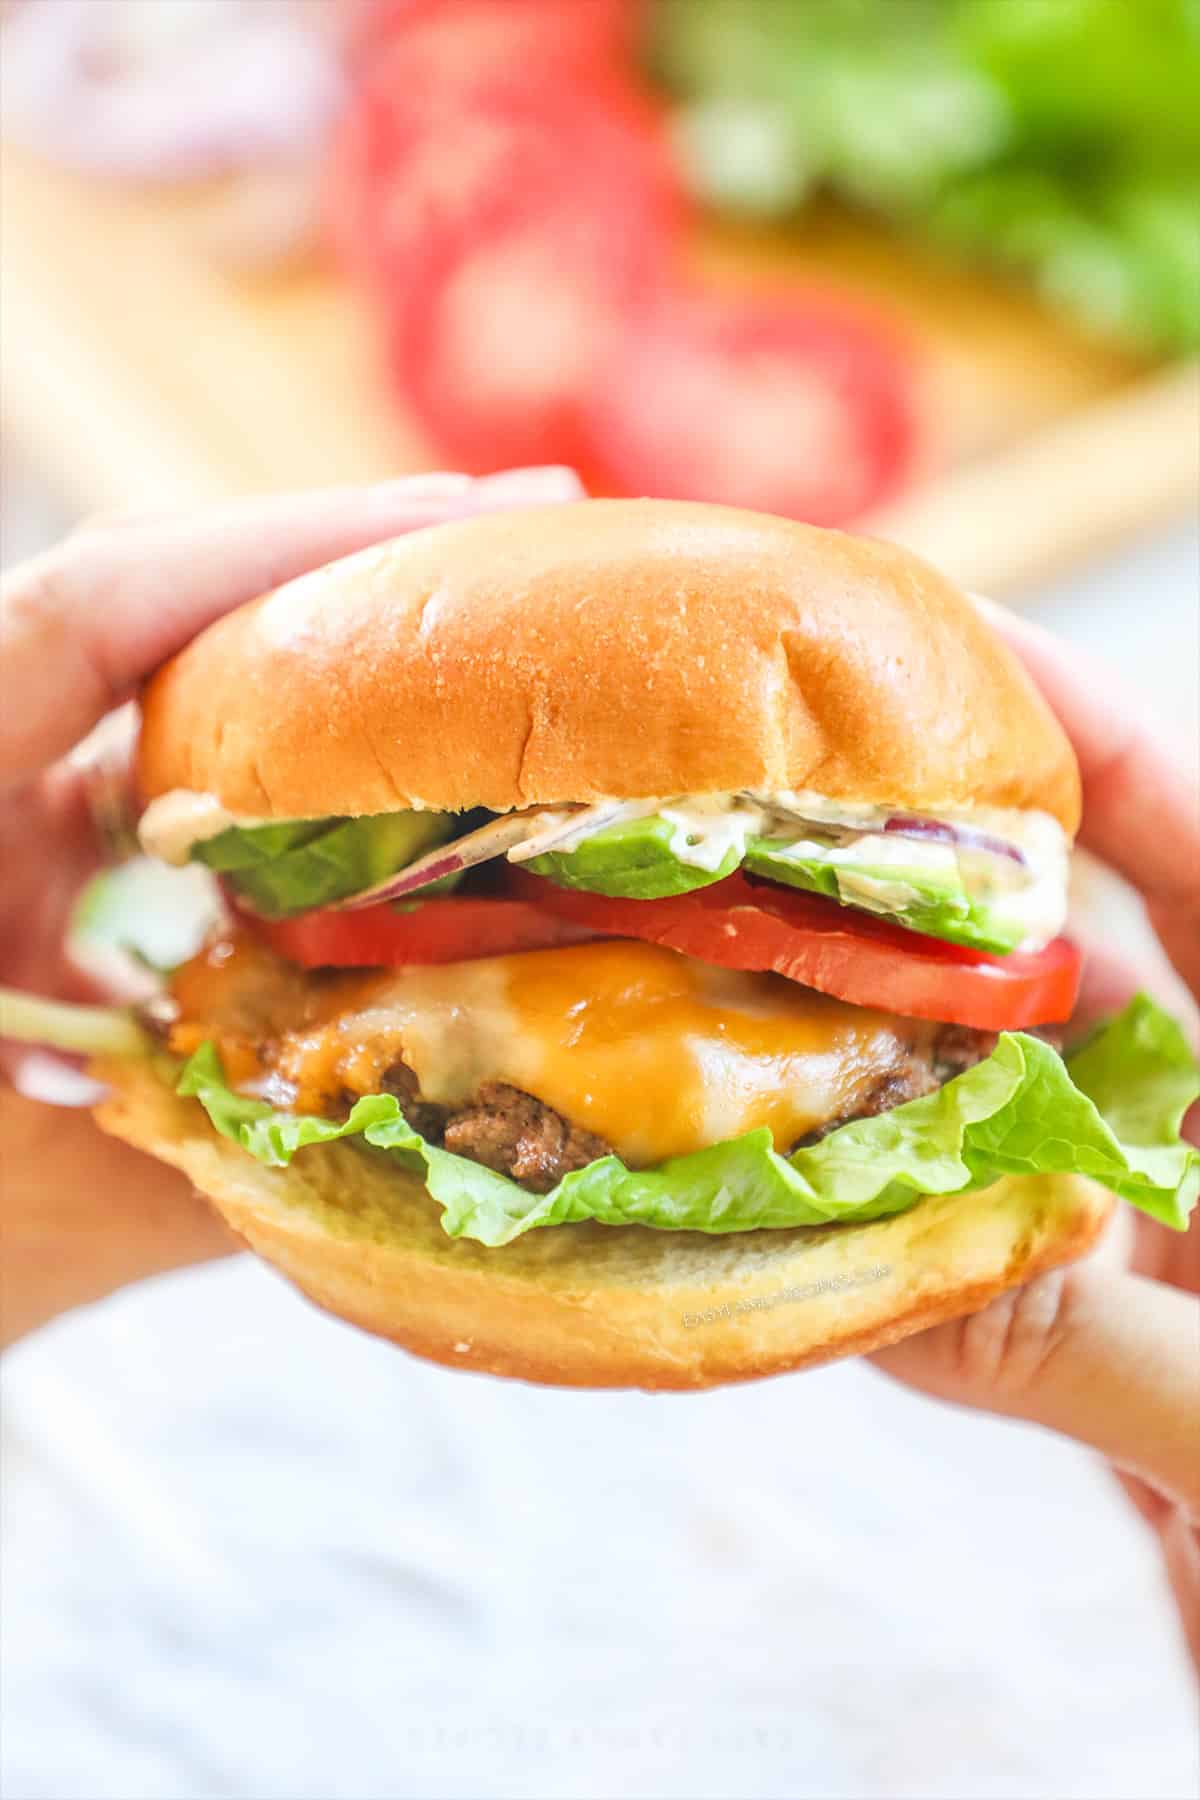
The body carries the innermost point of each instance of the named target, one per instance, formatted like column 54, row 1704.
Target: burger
column 642, row 960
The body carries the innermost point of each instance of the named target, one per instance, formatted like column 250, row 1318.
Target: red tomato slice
column 474, row 210
column 790, row 402
column 502, row 315
column 414, row 169
column 431, row 931
column 866, row 961
column 463, row 39
column 356, row 163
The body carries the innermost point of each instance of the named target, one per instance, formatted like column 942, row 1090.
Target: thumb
column 1098, row 1354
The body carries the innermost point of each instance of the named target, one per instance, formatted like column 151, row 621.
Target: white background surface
column 250, row 1553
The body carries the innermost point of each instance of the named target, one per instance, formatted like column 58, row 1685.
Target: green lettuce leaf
column 1113, row 1113
column 294, row 867
column 954, row 119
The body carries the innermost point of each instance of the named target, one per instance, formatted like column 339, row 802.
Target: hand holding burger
column 1105, row 1350
column 80, row 629
column 644, row 957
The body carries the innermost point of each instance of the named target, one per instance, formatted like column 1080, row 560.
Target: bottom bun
column 602, row 1306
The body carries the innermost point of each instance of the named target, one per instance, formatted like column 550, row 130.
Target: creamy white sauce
column 706, row 827
column 563, row 829
column 705, row 831
column 175, row 822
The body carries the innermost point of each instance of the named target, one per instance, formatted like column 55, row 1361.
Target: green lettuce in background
column 1112, row 1112
column 1058, row 138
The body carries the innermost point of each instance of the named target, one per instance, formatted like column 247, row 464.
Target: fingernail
column 527, row 487
column 989, row 608
column 54, row 1082
column 433, row 485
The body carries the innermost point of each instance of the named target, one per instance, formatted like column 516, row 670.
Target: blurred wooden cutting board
column 138, row 372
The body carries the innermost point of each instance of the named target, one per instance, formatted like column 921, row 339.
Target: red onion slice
column 169, row 89
column 554, row 836
column 527, row 832
column 911, row 825
column 495, row 838
column 522, row 836
column 963, row 837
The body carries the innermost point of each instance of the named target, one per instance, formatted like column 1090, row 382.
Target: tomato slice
column 504, row 313
column 736, row 923
column 498, row 164
column 792, row 402
column 866, row 961
column 462, row 39
column 430, row 931
column 448, row 113
column 414, row 170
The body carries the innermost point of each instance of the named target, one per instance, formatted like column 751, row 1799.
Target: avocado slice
column 929, row 896
column 294, row 867
column 632, row 860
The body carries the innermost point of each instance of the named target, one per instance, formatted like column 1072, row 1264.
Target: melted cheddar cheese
column 653, row 1052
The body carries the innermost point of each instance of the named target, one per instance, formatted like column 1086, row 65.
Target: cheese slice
column 660, row 1055
column 654, row 1052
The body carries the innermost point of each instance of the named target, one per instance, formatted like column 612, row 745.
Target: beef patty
column 517, row 1135
column 318, row 1042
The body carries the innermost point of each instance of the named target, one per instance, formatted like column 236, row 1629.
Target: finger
column 1178, row 930
column 1141, row 810
column 120, row 518
column 1151, row 1505
column 1167, row 1255
column 537, row 486
column 82, row 1214
column 1181, row 1551
column 105, row 765
column 48, row 848
column 1100, row 1356
column 1110, row 980
column 82, row 625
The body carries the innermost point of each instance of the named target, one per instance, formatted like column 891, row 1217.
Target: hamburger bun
column 587, row 1305
column 622, row 649
column 610, row 648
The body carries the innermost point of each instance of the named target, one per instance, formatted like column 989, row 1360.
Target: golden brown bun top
column 608, row 648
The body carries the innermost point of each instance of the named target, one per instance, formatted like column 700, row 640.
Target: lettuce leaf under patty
column 1112, row 1112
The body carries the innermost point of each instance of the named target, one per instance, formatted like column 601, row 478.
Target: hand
column 81, row 628
column 1106, row 1352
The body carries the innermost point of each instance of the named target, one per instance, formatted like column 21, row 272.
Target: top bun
column 609, row 648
